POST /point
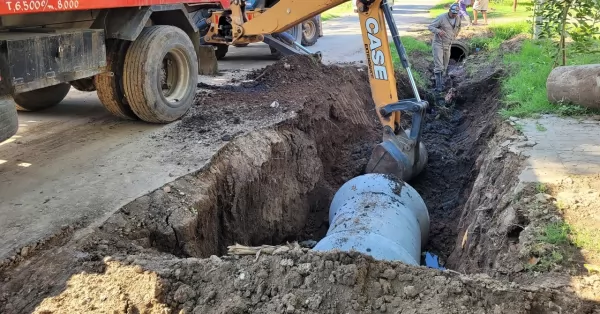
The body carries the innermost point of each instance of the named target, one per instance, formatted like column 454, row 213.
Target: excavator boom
column 401, row 153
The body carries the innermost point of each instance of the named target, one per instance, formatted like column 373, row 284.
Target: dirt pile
column 295, row 281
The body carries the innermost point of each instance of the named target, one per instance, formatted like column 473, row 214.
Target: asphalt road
column 75, row 164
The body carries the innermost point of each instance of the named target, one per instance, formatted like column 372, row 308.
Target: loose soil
column 299, row 130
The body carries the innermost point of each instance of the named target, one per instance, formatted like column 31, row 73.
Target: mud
column 298, row 130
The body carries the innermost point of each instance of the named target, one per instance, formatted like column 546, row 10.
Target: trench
column 275, row 184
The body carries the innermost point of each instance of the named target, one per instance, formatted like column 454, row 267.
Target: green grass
column 500, row 33
column 525, row 88
column 556, row 233
column 496, row 9
column 586, row 239
column 541, row 188
column 561, row 233
column 342, row 9
column 411, row 45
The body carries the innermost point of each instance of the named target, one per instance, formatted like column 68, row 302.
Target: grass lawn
column 342, row 9
column 410, row 45
column 525, row 88
column 496, row 9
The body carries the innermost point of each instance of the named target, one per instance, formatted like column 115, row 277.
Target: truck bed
column 8, row 7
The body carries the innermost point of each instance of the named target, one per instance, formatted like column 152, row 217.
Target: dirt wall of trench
column 271, row 185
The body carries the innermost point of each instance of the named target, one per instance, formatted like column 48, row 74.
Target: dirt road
column 75, row 165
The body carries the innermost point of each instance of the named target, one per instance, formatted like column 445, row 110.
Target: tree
column 575, row 19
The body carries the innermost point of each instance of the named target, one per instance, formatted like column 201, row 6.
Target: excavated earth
column 298, row 130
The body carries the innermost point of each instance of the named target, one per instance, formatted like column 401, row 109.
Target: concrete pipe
column 459, row 51
column 380, row 216
column 578, row 84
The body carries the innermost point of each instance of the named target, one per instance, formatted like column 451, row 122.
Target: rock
column 304, row 269
column 215, row 259
column 275, row 104
column 514, row 150
column 287, row 66
column 389, row 274
column 226, row 138
column 138, row 269
column 286, row 262
column 107, row 259
column 505, row 143
column 25, row 251
column 513, row 119
column 167, row 189
column 410, row 291
column 314, row 302
column 209, row 297
column 184, row 293
column 543, row 198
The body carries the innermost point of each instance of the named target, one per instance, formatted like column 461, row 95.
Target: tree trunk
column 578, row 85
column 515, row 5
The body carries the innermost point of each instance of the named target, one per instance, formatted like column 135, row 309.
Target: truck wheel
column 310, row 32
column 42, row 98
column 161, row 74
column 84, row 85
column 221, row 51
column 9, row 121
column 110, row 85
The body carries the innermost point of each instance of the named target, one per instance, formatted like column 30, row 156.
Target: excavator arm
column 401, row 153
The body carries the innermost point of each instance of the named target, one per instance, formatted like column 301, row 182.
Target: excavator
column 401, row 153
column 395, row 223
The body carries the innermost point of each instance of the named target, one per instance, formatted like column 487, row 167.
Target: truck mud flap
column 38, row 59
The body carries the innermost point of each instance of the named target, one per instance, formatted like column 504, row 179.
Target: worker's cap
column 454, row 8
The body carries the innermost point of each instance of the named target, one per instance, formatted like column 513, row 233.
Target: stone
column 410, row 291
column 389, row 274
column 184, row 293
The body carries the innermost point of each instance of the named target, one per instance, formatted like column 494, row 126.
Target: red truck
column 141, row 56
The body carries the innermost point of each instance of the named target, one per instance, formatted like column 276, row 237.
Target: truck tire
column 42, row 98
column 310, row 31
column 161, row 51
column 9, row 121
column 84, row 84
column 110, row 85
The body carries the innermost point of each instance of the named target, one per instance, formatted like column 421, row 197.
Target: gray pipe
column 378, row 215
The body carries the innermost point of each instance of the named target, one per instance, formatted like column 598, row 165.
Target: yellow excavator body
column 400, row 153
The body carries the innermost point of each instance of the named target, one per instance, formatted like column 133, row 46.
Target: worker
column 445, row 29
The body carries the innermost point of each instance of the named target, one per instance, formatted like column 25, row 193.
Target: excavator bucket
column 398, row 155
